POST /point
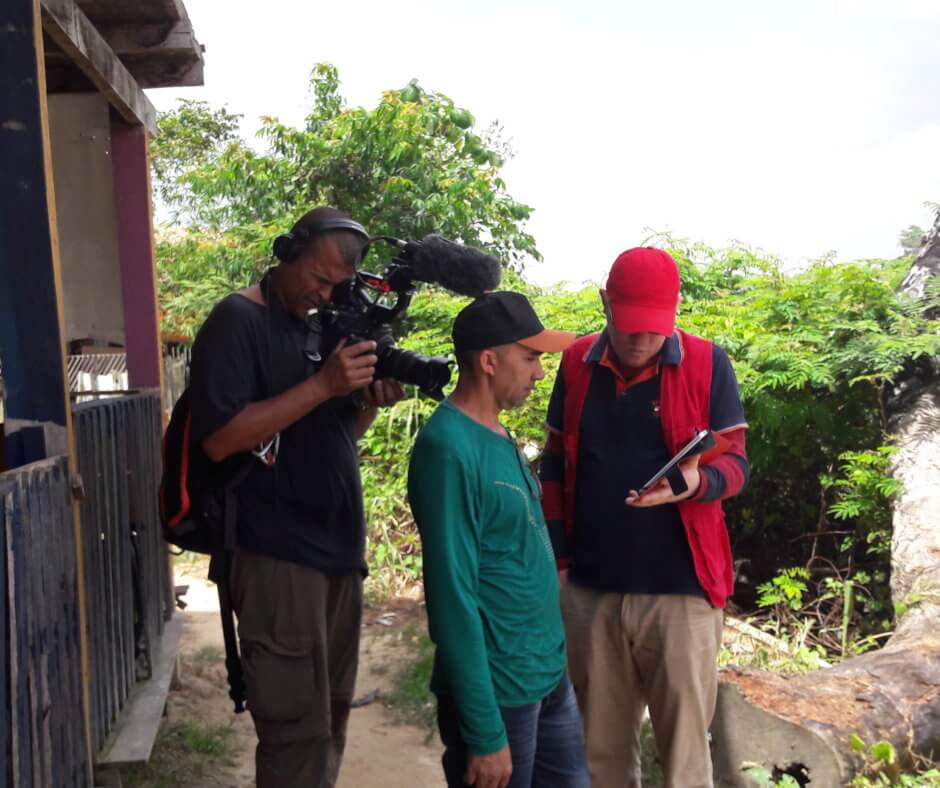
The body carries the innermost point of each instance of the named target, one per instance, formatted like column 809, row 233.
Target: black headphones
column 287, row 247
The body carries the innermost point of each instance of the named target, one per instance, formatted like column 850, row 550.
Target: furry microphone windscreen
column 462, row 269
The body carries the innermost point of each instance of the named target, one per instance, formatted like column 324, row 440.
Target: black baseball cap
column 502, row 318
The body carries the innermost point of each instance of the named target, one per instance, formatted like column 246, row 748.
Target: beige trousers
column 630, row 651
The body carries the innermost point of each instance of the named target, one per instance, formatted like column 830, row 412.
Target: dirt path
column 380, row 751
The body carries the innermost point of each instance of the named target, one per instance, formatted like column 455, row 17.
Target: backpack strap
column 220, row 570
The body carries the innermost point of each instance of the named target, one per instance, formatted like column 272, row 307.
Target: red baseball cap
column 643, row 291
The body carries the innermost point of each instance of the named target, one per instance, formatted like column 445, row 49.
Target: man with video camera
column 296, row 574
column 648, row 570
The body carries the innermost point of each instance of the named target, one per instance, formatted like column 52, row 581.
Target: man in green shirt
column 506, row 710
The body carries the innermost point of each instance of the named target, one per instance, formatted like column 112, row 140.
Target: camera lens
column 428, row 374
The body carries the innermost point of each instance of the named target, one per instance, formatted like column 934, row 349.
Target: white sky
column 801, row 128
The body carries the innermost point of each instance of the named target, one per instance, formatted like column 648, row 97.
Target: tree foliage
column 194, row 135
column 813, row 350
column 412, row 165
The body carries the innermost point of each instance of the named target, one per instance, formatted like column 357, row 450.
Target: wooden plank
column 105, row 667
column 16, row 709
column 56, row 622
column 97, row 604
column 113, row 672
column 133, row 737
column 125, row 588
column 68, row 26
column 43, row 520
column 90, row 548
column 73, row 655
column 30, row 612
column 63, row 594
column 8, row 654
column 5, row 729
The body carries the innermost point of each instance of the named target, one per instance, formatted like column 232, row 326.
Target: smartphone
column 700, row 441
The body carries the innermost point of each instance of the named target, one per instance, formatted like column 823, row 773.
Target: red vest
column 684, row 403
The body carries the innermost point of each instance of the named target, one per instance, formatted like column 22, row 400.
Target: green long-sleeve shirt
column 489, row 574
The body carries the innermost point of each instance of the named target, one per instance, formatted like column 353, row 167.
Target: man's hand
column 382, row 394
column 489, row 771
column 661, row 492
column 348, row 369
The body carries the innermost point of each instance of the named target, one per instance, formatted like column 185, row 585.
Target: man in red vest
column 647, row 574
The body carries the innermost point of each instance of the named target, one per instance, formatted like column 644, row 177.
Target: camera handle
column 314, row 338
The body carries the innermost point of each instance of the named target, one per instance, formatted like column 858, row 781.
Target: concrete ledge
column 131, row 742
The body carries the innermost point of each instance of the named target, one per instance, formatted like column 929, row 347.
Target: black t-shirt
column 622, row 548
column 307, row 506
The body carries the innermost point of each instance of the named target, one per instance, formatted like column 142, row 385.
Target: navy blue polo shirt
column 618, row 547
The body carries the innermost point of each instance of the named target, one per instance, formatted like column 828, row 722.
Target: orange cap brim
column 549, row 341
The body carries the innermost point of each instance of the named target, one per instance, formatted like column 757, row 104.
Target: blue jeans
column 545, row 740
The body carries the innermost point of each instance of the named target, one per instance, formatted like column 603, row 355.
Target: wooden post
column 130, row 164
column 31, row 332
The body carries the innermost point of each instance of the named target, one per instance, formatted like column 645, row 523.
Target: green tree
column 192, row 135
column 412, row 165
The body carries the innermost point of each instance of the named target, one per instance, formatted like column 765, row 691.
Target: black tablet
column 700, row 442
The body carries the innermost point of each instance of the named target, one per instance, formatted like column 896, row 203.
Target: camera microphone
column 461, row 269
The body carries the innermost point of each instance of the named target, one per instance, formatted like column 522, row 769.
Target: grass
column 205, row 662
column 185, row 752
column 649, row 761
column 410, row 699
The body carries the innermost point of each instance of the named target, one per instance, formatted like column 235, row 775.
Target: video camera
column 356, row 310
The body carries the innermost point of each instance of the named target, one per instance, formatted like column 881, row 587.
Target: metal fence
column 97, row 374
column 129, row 587
column 42, row 727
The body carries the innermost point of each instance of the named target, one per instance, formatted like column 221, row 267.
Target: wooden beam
column 130, row 164
column 68, row 26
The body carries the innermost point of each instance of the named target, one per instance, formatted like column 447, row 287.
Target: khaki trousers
column 299, row 634
column 630, row 651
